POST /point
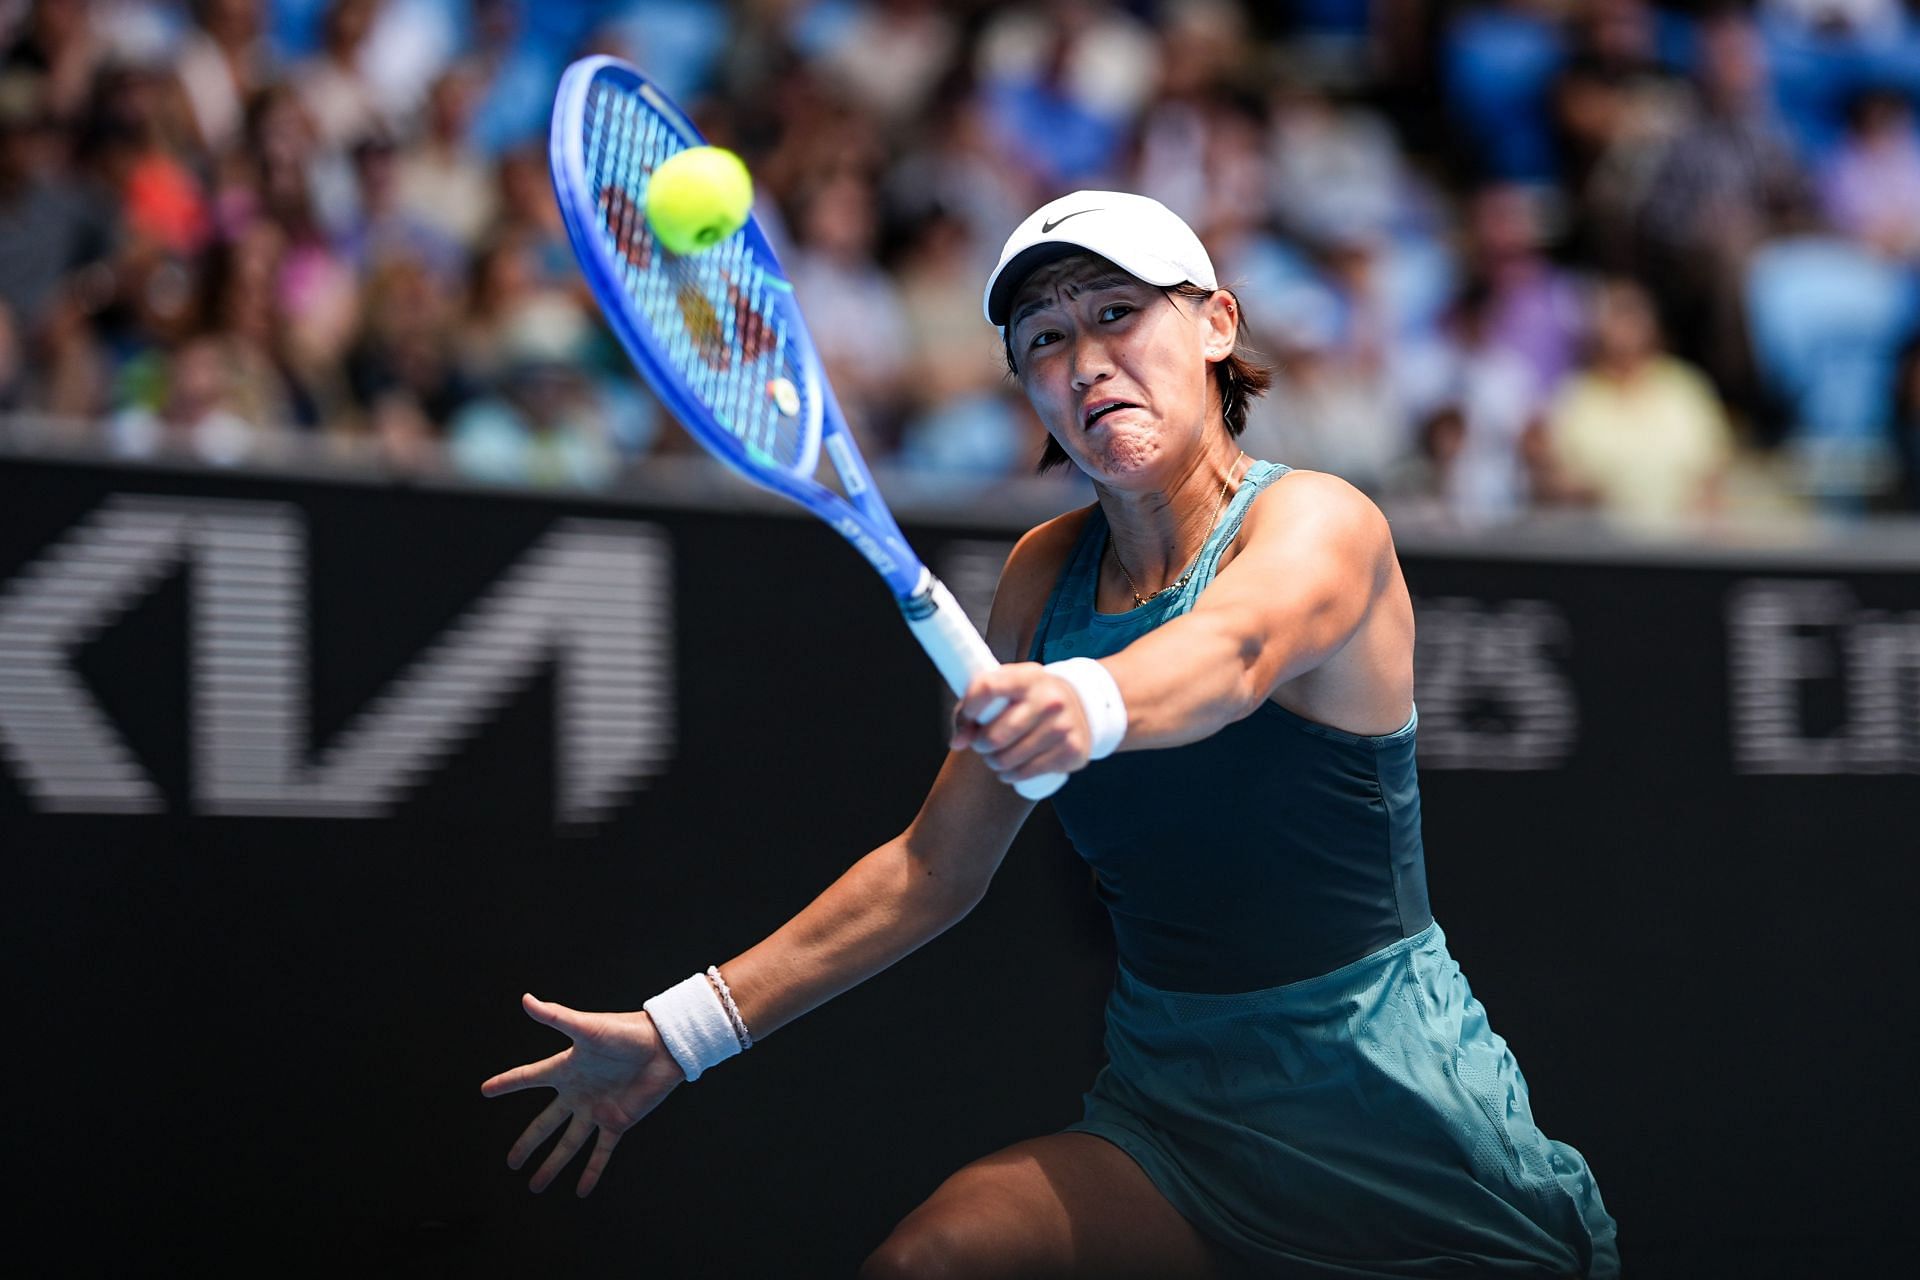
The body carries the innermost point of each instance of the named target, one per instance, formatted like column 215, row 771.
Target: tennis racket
column 720, row 339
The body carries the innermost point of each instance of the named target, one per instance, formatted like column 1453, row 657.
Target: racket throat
column 853, row 476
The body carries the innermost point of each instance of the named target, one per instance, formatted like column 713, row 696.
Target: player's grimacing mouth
column 1094, row 411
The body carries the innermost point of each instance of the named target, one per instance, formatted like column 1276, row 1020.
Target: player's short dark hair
column 1241, row 375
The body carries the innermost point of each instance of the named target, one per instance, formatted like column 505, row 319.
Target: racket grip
column 960, row 654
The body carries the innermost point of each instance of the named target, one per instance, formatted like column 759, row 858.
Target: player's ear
column 1220, row 316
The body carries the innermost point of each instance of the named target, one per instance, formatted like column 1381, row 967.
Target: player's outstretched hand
column 617, row 1070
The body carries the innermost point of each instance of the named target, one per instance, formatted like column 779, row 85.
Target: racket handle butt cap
column 1041, row 787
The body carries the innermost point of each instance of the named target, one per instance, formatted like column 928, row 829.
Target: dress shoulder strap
column 1073, row 591
column 1258, row 477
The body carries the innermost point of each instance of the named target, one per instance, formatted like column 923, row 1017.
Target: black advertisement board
column 303, row 782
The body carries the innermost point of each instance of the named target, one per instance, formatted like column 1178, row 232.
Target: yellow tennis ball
column 698, row 197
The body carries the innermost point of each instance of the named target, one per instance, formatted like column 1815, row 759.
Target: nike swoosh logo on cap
column 1048, row 226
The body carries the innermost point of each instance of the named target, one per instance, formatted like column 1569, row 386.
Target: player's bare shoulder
column 1031, row 571
column 1316, row 506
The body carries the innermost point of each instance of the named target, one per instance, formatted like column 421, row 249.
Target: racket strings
column 716, row 315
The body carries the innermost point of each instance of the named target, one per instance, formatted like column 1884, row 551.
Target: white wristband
column 694, row 1024
column 1099, row 698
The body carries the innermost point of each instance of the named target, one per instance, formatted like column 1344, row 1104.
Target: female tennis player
column 1219, row 651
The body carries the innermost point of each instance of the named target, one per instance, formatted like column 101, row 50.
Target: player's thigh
column 1068, row 1204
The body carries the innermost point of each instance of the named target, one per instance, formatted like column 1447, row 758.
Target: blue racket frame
column 861, row 517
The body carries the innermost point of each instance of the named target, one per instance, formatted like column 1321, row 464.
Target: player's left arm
column 1315, row 557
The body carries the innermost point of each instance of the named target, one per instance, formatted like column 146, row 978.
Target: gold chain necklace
column 1192, row 564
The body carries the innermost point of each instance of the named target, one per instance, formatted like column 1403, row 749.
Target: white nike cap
column 1138, row 234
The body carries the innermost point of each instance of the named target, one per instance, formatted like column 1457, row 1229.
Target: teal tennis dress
column 1293, row 1056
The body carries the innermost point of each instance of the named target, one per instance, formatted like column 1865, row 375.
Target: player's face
column 1117, row 369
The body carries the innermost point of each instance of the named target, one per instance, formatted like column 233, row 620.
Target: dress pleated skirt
column 1366, row 1122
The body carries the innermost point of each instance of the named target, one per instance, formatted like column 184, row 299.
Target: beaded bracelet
column 733, row 1010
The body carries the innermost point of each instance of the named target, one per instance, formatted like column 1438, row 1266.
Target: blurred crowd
column 1587, row 253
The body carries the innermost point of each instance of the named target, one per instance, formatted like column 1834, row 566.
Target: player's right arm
column 887, row 905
